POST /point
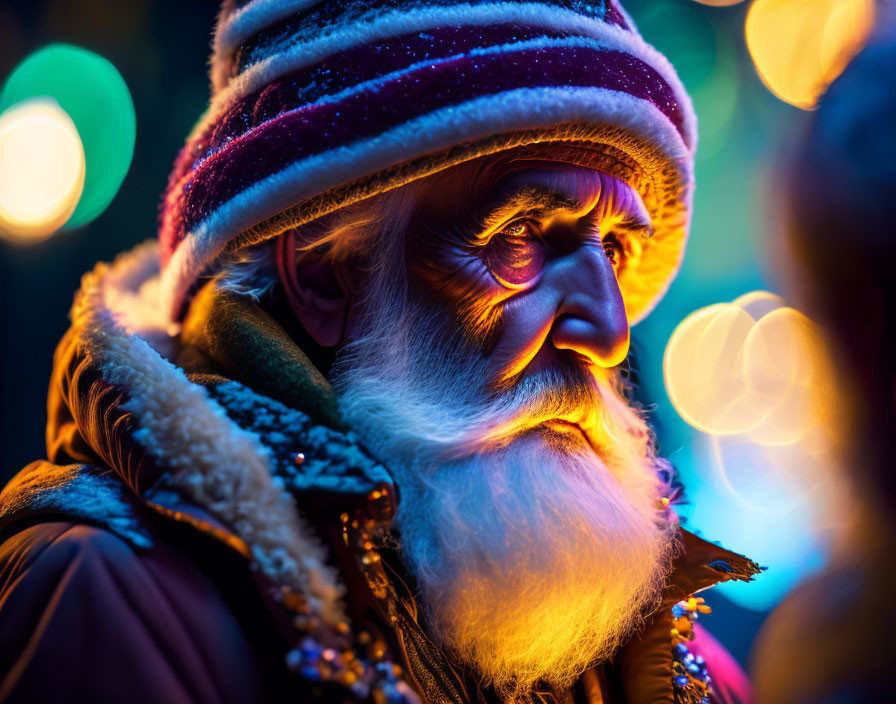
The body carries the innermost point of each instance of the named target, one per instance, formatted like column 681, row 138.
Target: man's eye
column 613, row 248
column 515, row 255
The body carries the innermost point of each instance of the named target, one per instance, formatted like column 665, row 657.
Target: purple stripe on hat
column 351, row 67
column 341, row 71
column 314, row 129
column 358, row 65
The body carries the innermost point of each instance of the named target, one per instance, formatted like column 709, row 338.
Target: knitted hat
column 318, row 104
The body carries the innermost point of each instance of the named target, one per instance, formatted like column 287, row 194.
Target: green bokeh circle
column 95, row 96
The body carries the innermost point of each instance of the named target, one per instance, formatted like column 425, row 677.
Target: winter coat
column 207, row 530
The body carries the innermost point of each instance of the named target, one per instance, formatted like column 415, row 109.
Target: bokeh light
column 759, row 303
column 800, row 46
column 42, row 169
column 703, row 368
column 753, row 378
column 94, row 95
column 754, row 366
column 783, row 361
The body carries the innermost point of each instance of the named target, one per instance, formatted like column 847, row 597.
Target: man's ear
column 319, row 292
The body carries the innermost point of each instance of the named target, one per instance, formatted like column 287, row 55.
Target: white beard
column 535, row 555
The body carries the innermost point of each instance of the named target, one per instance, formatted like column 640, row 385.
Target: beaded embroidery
column 362, row 666
column 690, row 679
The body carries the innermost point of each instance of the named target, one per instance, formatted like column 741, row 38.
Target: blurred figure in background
column 831, row 641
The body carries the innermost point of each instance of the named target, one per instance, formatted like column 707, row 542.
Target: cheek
column 462, row 284
column 509, row 327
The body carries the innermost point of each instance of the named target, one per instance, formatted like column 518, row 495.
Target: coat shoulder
column 78, row 599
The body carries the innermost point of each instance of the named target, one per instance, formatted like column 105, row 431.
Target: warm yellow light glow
column 800, row 46
column 781, row 350
column 784, row 358
column 753, row 367
column 691, row 394
column 703, row 368
column 759, row 303
column 42, row 169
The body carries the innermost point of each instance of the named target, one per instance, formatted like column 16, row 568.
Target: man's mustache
column 564, row 386
column 567, row 392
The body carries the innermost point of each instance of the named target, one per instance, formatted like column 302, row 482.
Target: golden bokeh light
column 42, row 169
column 754, row 376
column 759, row 303
column 784, row 357
column 788, row 420
column 703, row 369
column 753, row 367
column 781, row 350
column 800, row 46
column 691, row 392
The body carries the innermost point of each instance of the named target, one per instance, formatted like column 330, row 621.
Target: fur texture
column 212, row 461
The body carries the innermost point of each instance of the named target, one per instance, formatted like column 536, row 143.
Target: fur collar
column 232, row 472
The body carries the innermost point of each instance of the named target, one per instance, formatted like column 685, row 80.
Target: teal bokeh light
column 95, row 96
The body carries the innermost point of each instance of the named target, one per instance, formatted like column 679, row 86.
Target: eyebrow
column 635, row 226
column 526, row 198
column 543, row 200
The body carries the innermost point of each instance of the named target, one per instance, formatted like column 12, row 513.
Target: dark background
column 161, row 49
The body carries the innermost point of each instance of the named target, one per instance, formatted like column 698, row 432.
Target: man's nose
column 591, row 318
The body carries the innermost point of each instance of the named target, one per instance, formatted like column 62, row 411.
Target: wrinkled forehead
column 575, row 189
column 479, row 187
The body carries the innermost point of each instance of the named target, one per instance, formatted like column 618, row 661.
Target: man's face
column 523, row 257
column 481, row 372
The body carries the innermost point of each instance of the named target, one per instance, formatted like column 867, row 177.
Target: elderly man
column 356, row 429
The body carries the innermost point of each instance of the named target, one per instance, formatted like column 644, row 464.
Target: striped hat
column 318, row 104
